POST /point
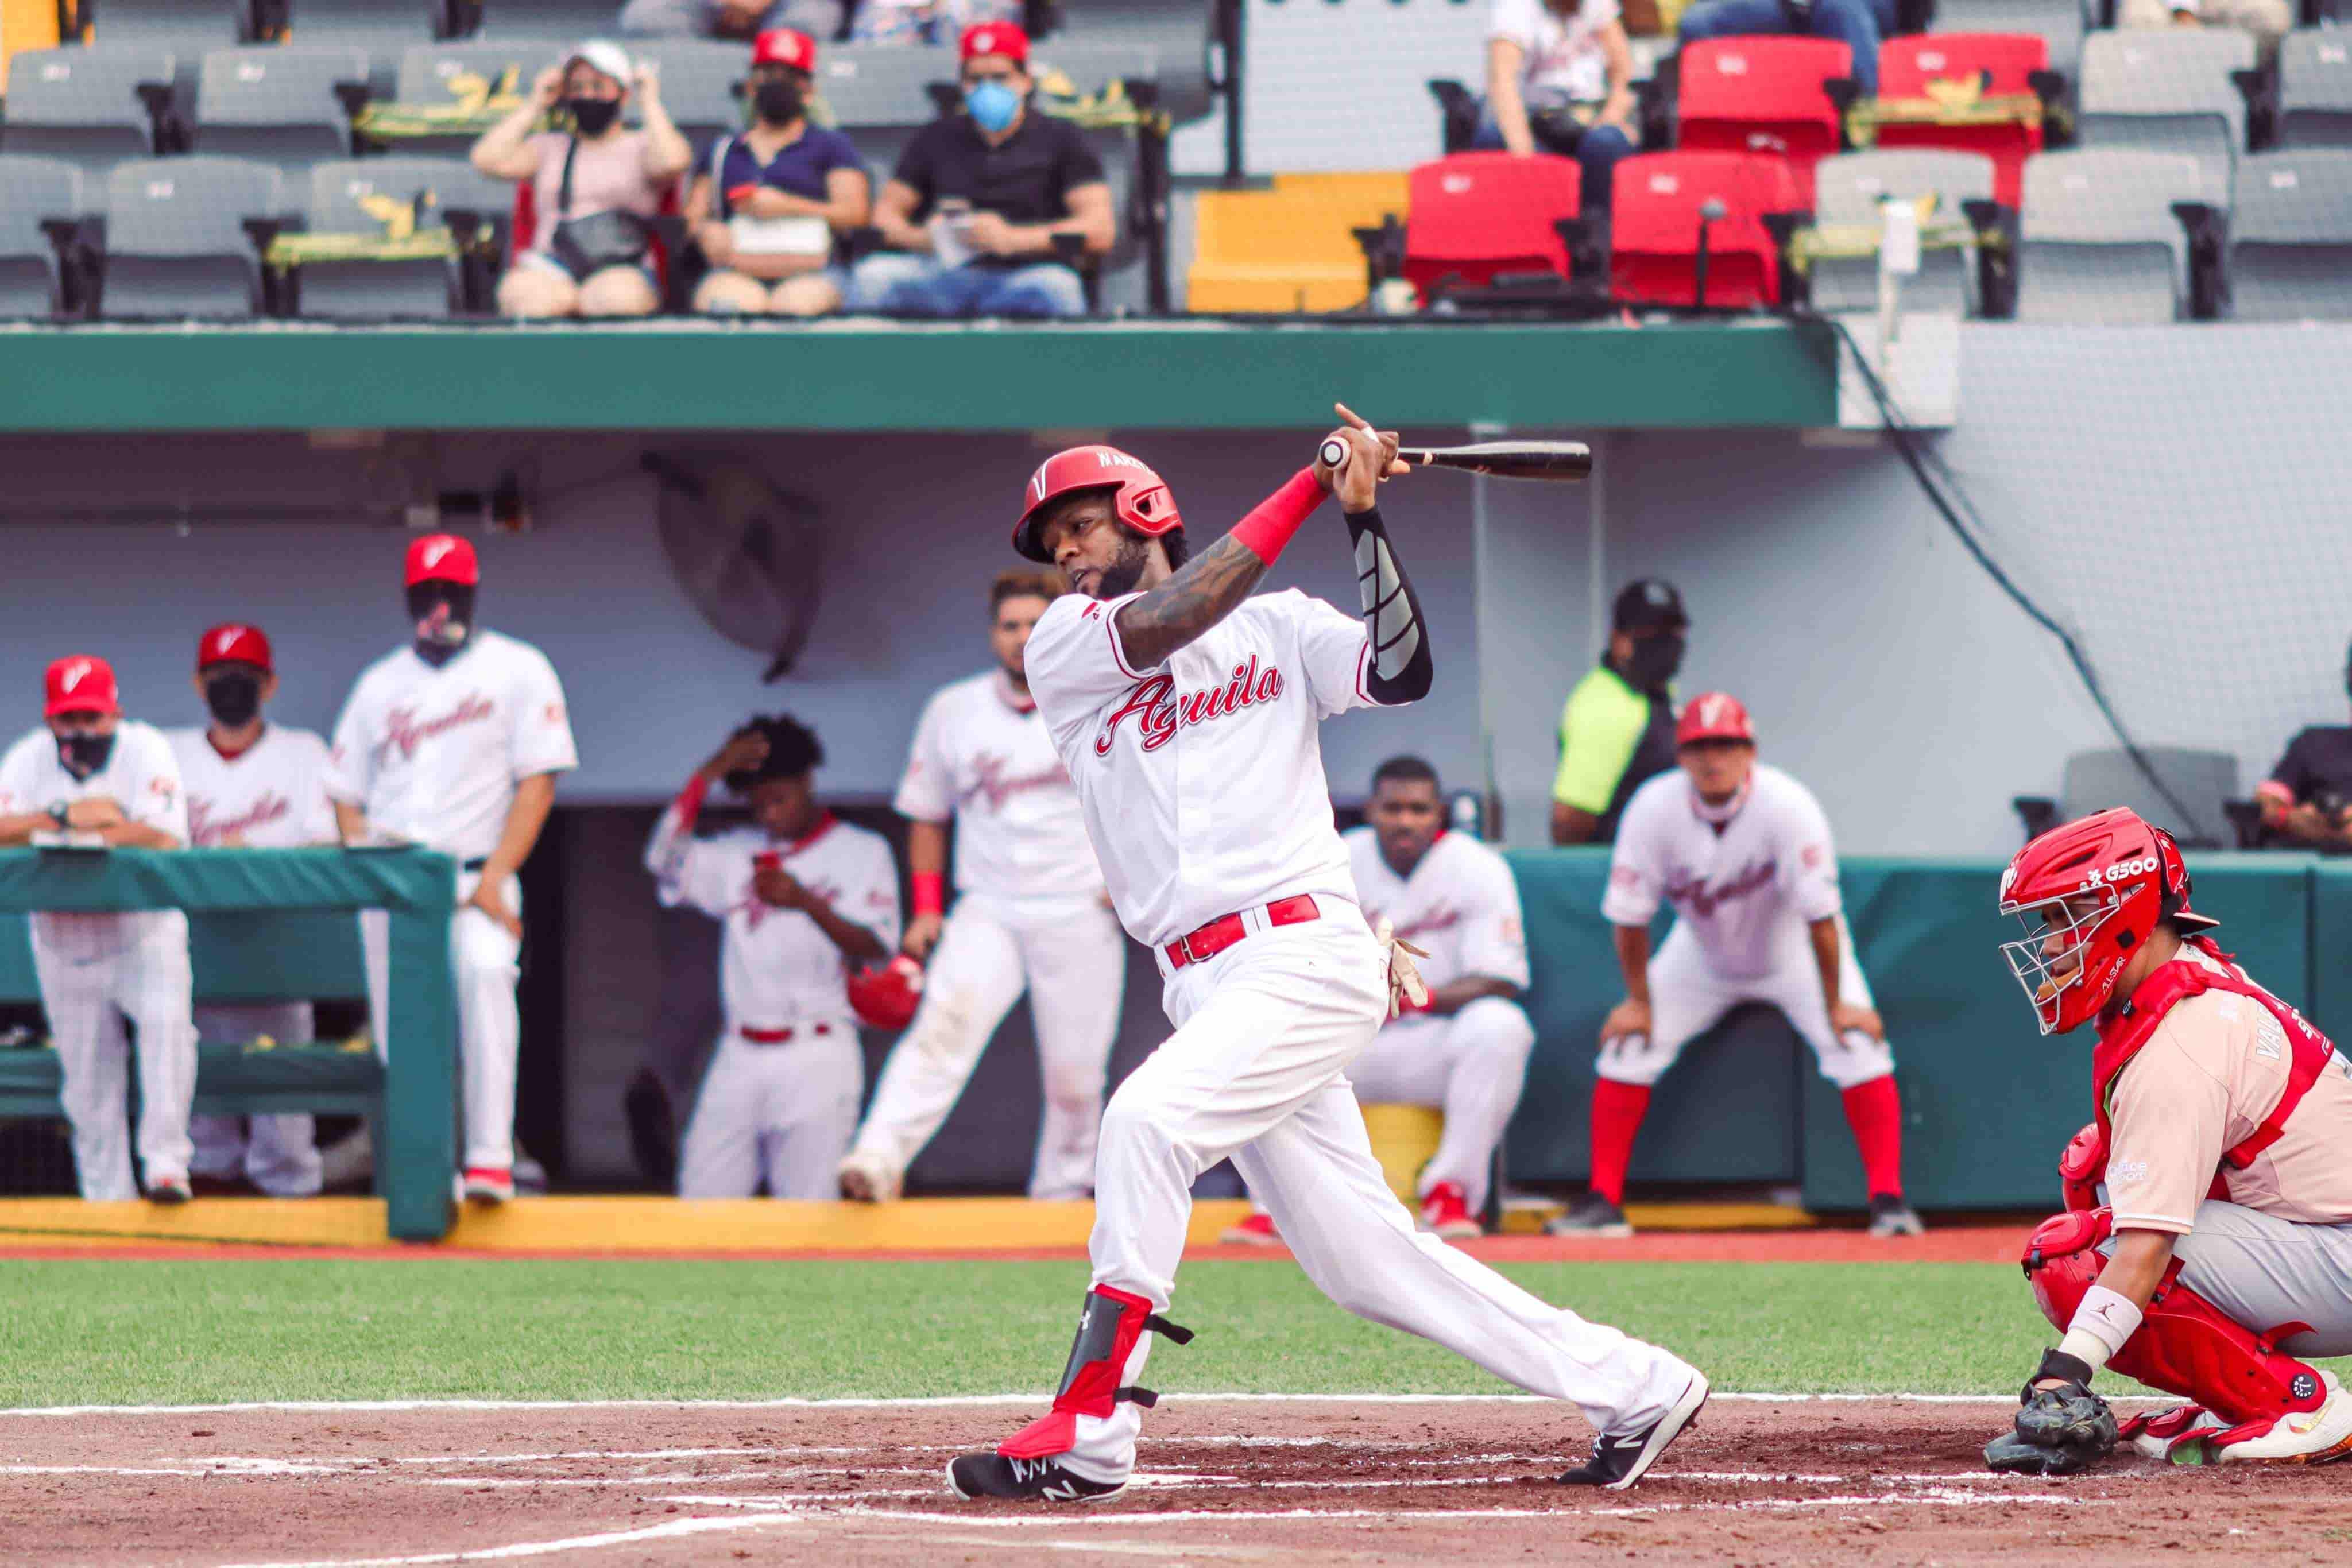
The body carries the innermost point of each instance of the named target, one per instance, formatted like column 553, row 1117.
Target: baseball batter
column 1186, row 714
column 91, row 771
column 1466, row 1047
column 454, row 742
column 254, row 785
column 1743, row 853
column 2206, row 1245
column 1030, row 913
column 803, row 896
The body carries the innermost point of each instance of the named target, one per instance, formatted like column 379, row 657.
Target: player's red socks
column 1617, row 1113
column 1875, row 1115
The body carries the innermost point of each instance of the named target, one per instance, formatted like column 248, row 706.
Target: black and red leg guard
column 2184, row 1344
column 1110, row 1328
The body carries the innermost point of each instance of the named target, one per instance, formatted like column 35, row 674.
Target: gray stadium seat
column 381, row 28
column 186, row 27
column 339, row 192
column 2168, row 92
column 699, row 79
column 427, row 74
column 2202, row 781
column 1174, row 34
column 176, row 238
column 2291, row 236
column 276, row 103
column 2100, row 240
column 2059, row 21
column 83, row 105
column 31, row 190
column 2316, row 88
column 879, row 94
column 570, row 20
column 1847, row 190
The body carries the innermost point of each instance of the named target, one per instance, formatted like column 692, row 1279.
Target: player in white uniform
column 1466, row 1049
column 1030, row 912
column 803, row 895
column 252, row 784
column 90, row 771
column 1743, row 853
column 1187, row 713
column 454, row 742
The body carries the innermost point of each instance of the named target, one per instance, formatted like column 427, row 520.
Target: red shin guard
column 1875, row 1115
column 1108, row 1330
column 1617, row 1113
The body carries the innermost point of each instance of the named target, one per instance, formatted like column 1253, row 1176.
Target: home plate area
column 1222, row 1479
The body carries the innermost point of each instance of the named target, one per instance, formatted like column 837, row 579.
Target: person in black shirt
column 2307, row 800
column 970, row 213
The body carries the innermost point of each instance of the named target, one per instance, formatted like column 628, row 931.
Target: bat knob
column 1334, row 452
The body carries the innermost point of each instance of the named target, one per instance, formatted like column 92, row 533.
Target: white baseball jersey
column 1747, row 893
column 983, row 756
column 432, row 755
column 1460, row 904
column 776, row 966
column 1202, row 777
column 270, row 796
column 141, row 776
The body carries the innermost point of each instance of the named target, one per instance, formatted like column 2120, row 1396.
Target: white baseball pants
column 784, row 1112
column 1473, row 1065
column 487, row 963
column 1072, row 957
column 149, row 984
column 1257, row 1071
column 1687, row 998
column 279, row 1155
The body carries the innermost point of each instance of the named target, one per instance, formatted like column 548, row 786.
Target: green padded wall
column 240, row 957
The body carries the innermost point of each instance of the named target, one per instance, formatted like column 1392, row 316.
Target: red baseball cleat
column 1446, row 1212
column 1257, row 1230
column 489, row 1184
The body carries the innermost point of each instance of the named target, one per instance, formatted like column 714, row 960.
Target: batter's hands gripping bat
column 1558, row 461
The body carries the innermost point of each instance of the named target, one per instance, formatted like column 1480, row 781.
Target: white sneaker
column 867, row 1179
column 2318, row 1436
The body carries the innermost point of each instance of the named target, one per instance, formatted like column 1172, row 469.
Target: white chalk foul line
column 677, row 1527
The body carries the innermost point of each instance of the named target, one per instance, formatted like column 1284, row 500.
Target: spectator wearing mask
column 2267, row 20
column 729, row 19
column 1560, row 78
column 970, row 213
column 1859, row 25
column 2307, row 800
column 1618, row 728
column 770, row 203
column 595, row 188
column 939, row 21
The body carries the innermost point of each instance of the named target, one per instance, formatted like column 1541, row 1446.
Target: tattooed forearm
column 1205, row 590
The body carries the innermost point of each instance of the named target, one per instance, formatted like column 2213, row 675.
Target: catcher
column 2223, row 1150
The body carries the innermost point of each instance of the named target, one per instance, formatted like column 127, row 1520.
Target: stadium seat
column 2316, row 90
column 349, row 198
column 570, row 20
column 185, row 28
column 32, row 192
column 92, row 107
column 381, row 28
column 698, row 83
column 2168, row 92
column 880, row 94
column 2291, row 236
column 176, row 242
column 1962, row 67
column 1288, row 248
column 2059, row 22
column 1174, row 34
column 1848, row 188
column 2204, row 782
column 1474, row 216
column 439, row 73
column 2100, row 239
column 1658, row 214
column 1763, row 96
column 278, row 104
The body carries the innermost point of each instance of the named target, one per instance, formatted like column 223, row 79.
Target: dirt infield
column 1283, row 1482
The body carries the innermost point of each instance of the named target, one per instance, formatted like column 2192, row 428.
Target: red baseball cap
column 233, row 643
column 784, row 46
column 442, row 557
column 1713, row 715
column 81, row 683
column 994, row 38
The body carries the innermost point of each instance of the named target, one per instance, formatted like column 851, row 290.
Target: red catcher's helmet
column 884, row 996
column 1141, row 501
column 2088, row 895
column 1714, row 716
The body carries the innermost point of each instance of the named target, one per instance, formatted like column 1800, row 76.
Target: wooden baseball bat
column 1558, row 461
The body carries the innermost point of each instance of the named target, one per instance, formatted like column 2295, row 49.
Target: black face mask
column 444, row 613
column 233, row 698
column 778, row 103
column 83, row 755
column 593, row 116
column 1654, row 661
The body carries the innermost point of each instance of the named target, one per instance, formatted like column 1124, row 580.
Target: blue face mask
column 991, row 105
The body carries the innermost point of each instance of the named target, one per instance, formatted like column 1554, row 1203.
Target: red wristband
column 689, row 804
column 1272, row 521
column 736, row 194
column 931, row 893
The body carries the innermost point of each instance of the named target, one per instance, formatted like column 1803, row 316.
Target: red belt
column 781, row 1036
column 1200, row 946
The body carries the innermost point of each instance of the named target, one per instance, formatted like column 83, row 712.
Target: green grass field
column 194, row 1330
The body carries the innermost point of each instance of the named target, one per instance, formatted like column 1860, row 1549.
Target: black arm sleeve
column 1399, row 668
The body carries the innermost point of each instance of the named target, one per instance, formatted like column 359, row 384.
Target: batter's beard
column 1126, row 569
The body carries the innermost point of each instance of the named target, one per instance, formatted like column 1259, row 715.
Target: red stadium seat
column 1763, row 95
column 1653, row 250
column 1962, row 68
column 1473, row 215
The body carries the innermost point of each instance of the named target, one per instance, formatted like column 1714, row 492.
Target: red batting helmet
column 884, row 996
column 1140, row 500
column 2088, row 895
column 1713, row 715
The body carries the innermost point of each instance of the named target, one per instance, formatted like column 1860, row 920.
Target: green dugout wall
column 1987, row 1102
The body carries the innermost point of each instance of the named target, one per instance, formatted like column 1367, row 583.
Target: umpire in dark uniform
column 1618, row 727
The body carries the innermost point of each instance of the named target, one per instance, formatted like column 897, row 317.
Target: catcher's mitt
column 2059, row 1431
